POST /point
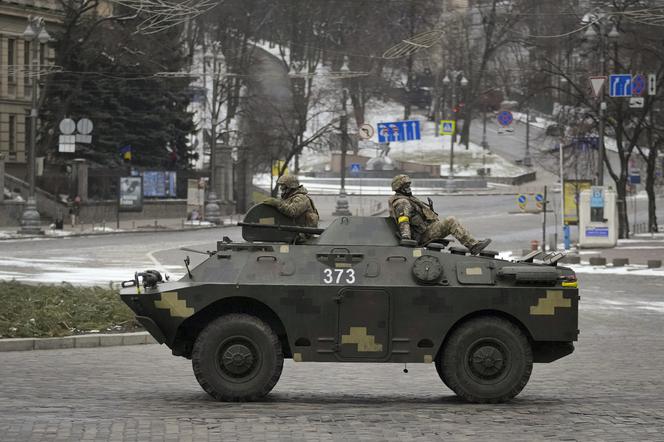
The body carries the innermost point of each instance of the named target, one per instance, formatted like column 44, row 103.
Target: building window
column 27, row 69
column 12, row 137
column 11, row 60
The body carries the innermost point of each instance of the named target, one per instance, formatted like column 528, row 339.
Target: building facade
column 15, row 72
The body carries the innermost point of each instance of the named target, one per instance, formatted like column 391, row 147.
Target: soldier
column 294, row 202
column 417, row 220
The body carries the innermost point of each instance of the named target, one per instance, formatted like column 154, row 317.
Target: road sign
column 597, row 84
column 84, row 126
column 67, row 143
column 355, row 167
column 83, row 139
column 652, row 84
column 539, row 200
column 620, row 85
column 636, row 102
column 505, row 118
column 399, row 131
column 635, row 178
column 366, row 131
column 638, row 85
column 67, row 126
column 447, row 127
column 521, row 201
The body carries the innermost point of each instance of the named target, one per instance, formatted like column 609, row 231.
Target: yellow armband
column 403, row 219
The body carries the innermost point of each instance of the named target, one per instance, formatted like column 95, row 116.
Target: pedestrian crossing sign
column 447, row 127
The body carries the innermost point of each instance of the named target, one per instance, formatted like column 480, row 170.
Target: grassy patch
column 31, row 311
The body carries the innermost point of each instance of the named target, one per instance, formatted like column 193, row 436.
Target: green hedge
column 28, row 311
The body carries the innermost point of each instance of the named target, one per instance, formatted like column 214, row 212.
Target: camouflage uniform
column 418, row 221
column 295, row 203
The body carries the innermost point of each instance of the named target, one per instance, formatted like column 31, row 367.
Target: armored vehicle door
column 363, row 323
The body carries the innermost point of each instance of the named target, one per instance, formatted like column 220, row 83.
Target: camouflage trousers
column 449, row 226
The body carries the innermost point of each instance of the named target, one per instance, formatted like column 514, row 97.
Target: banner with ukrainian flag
column 125, row 151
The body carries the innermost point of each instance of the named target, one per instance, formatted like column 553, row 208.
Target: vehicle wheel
column 487, row 360
column 237, row 357
column 439, row 368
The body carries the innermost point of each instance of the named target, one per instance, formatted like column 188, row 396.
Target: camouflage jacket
column 419, row 213
column 300, row 207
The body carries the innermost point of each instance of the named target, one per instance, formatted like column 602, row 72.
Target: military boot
column 479, row 246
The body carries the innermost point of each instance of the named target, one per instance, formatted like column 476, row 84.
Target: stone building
column 15, row 80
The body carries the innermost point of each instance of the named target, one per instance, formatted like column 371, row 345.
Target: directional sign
column 652, row 84
column 596, row 84
column 620, row 85
column 505, row 118
column 447, row 127
column 399, row 131
column 366, row 131
column 636, row 102
column 355, row 167
column 638, row 85
column 521, row 201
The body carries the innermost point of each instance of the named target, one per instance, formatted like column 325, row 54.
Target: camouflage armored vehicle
column 354, row 292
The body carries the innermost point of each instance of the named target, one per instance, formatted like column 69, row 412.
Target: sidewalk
column 128, row 226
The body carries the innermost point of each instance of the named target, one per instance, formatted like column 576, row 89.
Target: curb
column 77, row 235
column 79, row 341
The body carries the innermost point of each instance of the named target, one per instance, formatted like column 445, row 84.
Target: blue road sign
column 399, row 131
column 638, row 85
column 505, row 118
column 522, row 199
column 355, row 167
column 620, row 85
column 539, row 197
column 635, row 178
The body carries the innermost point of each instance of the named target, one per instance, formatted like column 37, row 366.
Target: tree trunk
column 650, row 189
column 623, row 218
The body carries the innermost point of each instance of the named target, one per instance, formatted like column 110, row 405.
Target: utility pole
column 341, row 208
column 212, row 209
column 526, row 159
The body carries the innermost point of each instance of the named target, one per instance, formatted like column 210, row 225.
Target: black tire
column 237, row 357
column 439, row 369
column 487, row 360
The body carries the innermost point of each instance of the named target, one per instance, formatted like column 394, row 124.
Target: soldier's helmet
column 400, row 181
column 289, row 182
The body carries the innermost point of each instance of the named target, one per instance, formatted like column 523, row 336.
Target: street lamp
column 212, row 208
column 456, row 77
column 35, row 32
column 602, row 36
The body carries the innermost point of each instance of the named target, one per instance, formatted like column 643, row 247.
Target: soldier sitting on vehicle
column 418, row 221
column 294, row 202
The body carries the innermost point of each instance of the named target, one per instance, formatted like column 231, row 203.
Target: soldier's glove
column 271, row 201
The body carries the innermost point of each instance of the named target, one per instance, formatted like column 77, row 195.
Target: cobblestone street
column 611, row 388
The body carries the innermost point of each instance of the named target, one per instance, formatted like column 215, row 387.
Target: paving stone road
column 611, row 388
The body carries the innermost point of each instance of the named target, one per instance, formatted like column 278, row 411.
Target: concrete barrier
column 571, row 259
column 597, row 261
column 80, row 341
column 620, row 262
column 654, row 263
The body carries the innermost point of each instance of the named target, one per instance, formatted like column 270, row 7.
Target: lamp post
column 35, row 32
column 527, row 161
column 457, row 77
column 342, row 206
column 602, row 36
column 212, row 208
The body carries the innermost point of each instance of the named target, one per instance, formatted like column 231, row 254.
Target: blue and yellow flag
column 126, row 152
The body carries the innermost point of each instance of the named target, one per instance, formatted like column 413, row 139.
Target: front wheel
column 487, row 360
column 237, row 357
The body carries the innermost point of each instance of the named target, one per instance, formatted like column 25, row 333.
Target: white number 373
column 339, row 276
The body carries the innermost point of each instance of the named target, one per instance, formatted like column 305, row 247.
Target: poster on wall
column 159, row 184
column 130, row 197
column 573, row 189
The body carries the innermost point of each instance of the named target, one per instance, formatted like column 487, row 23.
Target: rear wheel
column 487, row 360
column 237, row 357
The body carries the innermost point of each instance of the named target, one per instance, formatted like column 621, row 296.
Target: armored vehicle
column 355, row 292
